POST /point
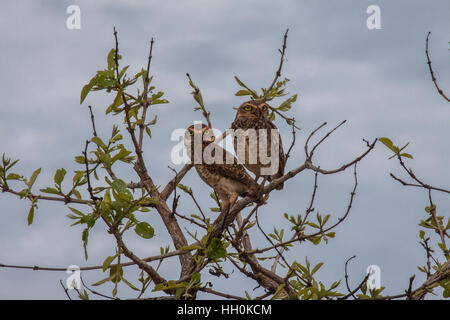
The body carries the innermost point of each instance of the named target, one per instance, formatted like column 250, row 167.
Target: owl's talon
column 258, row 194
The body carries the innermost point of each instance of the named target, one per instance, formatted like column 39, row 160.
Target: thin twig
column 205, row 112
column 92, row 120
column 97, row 293
column 346, row 277
column 89, row 188
column 324, row 138
column 423, row 185
column 145, row 104
column 168, row 189
column 288, row 154
column 278, row 72
column 65, row 290
column 310, row 136
column 220, row 294
column 433, row 78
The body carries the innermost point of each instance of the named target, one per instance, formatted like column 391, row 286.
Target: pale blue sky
column 376, row 79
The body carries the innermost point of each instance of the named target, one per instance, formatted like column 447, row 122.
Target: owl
column 254, row 114
column 222, row 173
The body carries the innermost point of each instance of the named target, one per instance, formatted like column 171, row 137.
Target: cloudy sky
column 375, row 79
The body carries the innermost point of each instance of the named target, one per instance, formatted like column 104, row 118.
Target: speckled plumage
column 257, row 117
column 228, row 180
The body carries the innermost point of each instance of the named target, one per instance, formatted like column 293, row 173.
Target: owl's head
column 253, row 109
column 198, row 133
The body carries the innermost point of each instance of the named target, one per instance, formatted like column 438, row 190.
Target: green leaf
column 118, row 100
column 316, row 268
column 33, row 177
column 84, row 295
column 80, row 159
column 119, row 185
column 286, row 105
column 84, row 238
column 59, row 176
column 144, row 230
column 122, row 72
column 99, row 143
column 13, row 176
column 242, row 93
column 103, row 281
column 87, row 88
column 110, row 59
column 388, row 143
column 103, row 82
column 148, row 131
column 446, row 293
column 252, row 92
column 129, row 284
column 191, row 247
column 78, row 176
column 178, row 293
column 184, row 188
column 31, row 215
column 315, row 240
column 120, row 155
column 240, row 82
column 331, row 234
column 279, row 293
column 151, row 201
column 153, row 122
column 108, row 262
column 50, row 190
column 407, row 155
column 196, row 278
column 77, row 212
column 216, row 250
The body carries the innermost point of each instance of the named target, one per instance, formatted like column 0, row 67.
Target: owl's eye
column 248, row 108
column 264, row 108
column 191, row 133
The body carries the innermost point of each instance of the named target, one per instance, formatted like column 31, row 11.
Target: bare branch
column 66, row 291
column 288, row 154
column 324, row 138
column 49, row 198
column 433, row 78
column 346, row 277
column 420, row 185
column 168, row 189
column 278, row 72
column 220, row 294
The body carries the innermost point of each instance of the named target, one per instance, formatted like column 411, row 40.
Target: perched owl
column 228, row 179
column 254, row 114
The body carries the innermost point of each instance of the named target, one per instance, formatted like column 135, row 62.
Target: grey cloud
column 377, row 80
